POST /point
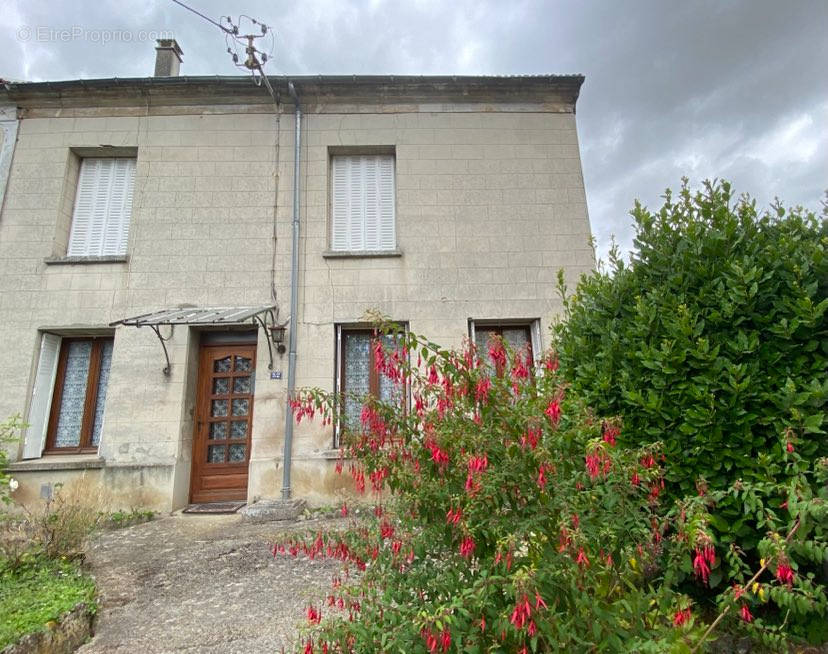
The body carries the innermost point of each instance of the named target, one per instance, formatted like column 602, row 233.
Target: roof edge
column 311, row 88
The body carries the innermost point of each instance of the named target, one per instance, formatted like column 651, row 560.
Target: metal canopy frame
column 204, row 317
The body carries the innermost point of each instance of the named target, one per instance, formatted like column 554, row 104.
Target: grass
column 38, row 592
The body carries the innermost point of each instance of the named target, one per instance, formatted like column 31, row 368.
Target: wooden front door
column 223, row 421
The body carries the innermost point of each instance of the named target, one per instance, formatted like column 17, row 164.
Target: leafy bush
column 712, row 341
column 514, row 522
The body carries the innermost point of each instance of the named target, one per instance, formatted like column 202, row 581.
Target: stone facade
column 489, row 205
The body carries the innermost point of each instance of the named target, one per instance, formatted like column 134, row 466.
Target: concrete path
column 201, row 584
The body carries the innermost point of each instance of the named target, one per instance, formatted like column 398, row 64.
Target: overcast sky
column 732, row 89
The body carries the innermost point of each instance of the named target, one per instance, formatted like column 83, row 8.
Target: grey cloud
column 697, row 88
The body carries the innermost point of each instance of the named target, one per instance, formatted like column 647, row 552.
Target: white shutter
column 41, row 403
column 362, row 214
column 339, row 201
column 79, row 241
column 370, row 202
column 116, row 229
column 356, row 195
column 387, row 230
column 103, row 207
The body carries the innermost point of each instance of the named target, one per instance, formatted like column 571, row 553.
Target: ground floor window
column 67, row 409
column 80, row 393
column 519, row 335
column 357, row 374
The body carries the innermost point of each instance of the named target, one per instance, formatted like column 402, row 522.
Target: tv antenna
column 253, row 58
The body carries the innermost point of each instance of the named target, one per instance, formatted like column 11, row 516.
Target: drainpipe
column 294, row 292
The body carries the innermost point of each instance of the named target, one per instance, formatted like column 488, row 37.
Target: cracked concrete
column 202, row 584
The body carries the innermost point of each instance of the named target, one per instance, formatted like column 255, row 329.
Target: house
column 146, row 249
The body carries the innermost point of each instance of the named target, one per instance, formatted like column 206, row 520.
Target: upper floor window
column 103, row 207
column 362, row 203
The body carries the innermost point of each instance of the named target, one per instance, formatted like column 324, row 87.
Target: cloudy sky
column 736, row 89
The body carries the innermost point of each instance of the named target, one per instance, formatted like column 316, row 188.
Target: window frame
column 531, row 325
column 109, row 227
column 362, row 152
column 93, row 377
column 339, row 372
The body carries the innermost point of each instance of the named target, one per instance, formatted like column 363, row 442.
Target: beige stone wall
column 490, row 204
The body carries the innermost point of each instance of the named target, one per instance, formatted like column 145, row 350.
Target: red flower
column 681, row 616
column 700, row 566
column 522, row 612
column 610, row 433
column 785, row 574
column 541, row 478
column 582, row 559
column 789, row 447
column 445, row 640
column 539, row 603
column 467, row 547
column 554, row 411
column 481, row 392
column 344, row 510
column 746, row 616
column 314, row 615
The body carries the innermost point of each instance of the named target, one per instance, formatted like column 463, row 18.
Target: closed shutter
column 116, row 231
column 387, row 232
column 41, row 403
column 363, row 203
column 103, row 207
column 340, row 202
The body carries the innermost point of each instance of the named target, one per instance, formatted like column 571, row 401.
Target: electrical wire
column 207, row 18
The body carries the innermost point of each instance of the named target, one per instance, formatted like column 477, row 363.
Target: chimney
column 167, row 58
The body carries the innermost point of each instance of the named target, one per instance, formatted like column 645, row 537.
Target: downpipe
column 294, row 292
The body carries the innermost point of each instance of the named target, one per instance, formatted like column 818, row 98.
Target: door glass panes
column 242, row 385
column 243, row 364
column 356, row 374
column 240, row 407
column 215, row 454
column 236, row 453
column 103, row 382
column 228, row 429
column 73, row 397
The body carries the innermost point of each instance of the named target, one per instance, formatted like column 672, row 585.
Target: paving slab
column 202, row 584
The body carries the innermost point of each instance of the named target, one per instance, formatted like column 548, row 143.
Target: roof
column 196, row 316
column 311, row 89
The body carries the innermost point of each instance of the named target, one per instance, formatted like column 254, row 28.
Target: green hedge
column 713, row 340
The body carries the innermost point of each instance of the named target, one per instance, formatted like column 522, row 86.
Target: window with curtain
column 519, row 336
column 103, row 207
column 362, row 203
column 358, row 376
column 79, row 395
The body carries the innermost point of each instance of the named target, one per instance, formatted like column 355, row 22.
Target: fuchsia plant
column 507, row 518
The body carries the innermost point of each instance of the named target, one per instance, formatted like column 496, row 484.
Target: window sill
column 60, row 261
column 360, row 254
column 58, row 462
